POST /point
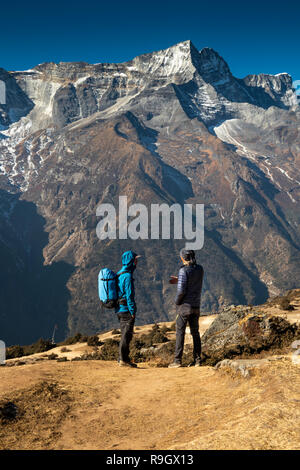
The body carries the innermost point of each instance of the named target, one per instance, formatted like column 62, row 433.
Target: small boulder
column 239, row 331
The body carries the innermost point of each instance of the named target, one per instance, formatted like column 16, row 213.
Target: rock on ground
column 239, row 330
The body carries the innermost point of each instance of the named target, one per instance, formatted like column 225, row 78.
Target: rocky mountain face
column 173, row 126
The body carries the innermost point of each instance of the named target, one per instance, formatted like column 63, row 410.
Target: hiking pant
column 190, row 315
column 126, row 326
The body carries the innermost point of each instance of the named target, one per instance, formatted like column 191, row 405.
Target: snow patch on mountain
column 244, row 137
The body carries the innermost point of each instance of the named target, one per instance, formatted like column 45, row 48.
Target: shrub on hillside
column 41, row 345
column 78, row 338
column 14, row 351
column 116, row 332
column 285, row 304
column 154, row 337
column 164, row 329
column 165, row 355
column 135, row 350
column 93, row 341
column 146, row 342
column 52, row 356
column 109, row 350
column 159, row 337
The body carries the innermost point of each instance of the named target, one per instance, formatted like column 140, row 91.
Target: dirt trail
column 97, row 405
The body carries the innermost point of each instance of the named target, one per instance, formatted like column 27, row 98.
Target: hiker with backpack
column 127, row 306
column 189, row 286
column 117, row 291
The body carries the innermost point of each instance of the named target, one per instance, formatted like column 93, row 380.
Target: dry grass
column 97, row 405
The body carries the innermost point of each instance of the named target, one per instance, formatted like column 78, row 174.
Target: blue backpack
column 108, row 288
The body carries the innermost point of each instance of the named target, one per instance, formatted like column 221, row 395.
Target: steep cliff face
column 170, row 126
column 17, row 103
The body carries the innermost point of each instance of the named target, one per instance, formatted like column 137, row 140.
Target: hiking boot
column 174, row 365
column 127, row 364
column 132, row 364
column 196, row 363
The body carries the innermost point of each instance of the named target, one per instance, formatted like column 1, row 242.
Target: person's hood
column 128, row 260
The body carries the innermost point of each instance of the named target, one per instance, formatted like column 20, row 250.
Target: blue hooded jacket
column 126, row 283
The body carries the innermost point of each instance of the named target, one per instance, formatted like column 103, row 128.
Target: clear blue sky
column 257, row 37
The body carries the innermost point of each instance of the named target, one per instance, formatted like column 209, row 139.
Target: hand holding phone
column 173, row 280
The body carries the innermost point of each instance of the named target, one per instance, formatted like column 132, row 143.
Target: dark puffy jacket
column 126, row 283
column 189, row 285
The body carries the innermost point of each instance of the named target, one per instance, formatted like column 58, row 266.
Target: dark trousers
column 187, row 315
column 126, row 326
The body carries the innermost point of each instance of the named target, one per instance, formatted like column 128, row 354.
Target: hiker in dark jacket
column 127, row 306
column 189, row 286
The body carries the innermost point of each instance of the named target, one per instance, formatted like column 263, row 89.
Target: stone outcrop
column 244, row 331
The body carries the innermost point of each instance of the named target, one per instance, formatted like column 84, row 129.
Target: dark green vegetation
column 40, row 346
column 43, row 345
column 151, row 346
